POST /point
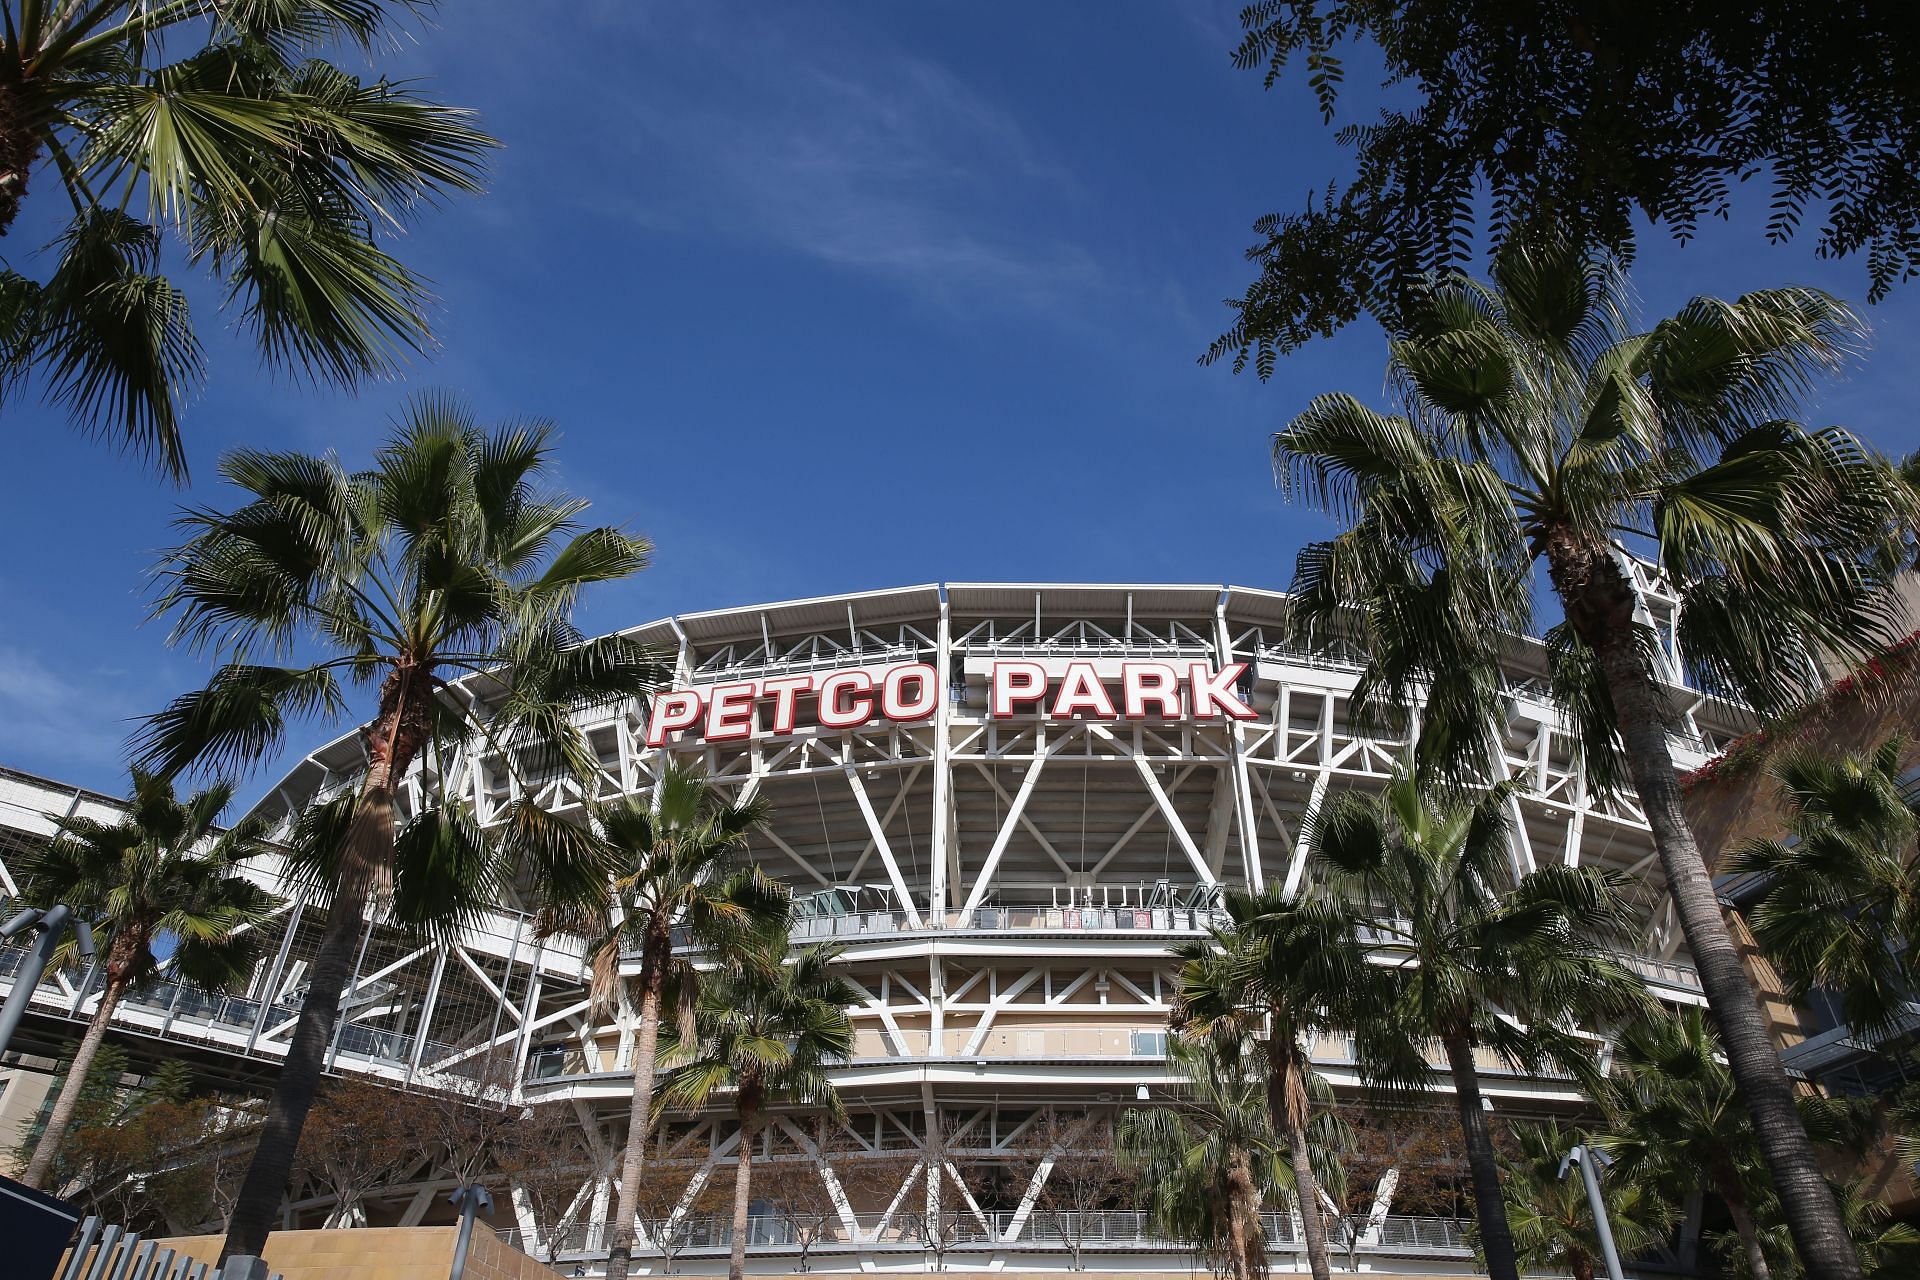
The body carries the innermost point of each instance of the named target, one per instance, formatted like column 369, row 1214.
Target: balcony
column 1155, row 920
column 1192, row 915
column 1107, row 1231
column 1167, row 921
column 231, row 1024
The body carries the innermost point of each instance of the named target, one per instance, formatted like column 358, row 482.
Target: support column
column 296, row 913
column 1020, row 798
column 882, row 845
column 1303, row 845
column 425, row 1022
column 523, row 1043
column 942, row 771
column 1244, row 812
column 353, row 989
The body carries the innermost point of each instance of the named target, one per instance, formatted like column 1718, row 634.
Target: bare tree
column 1079, row 1177
column 791, row 1178
column 942, row 1222
column 216, row 1162
column 359, row 1138
column 800, row 1179
column 544, row 1167
column 469, row 1121
column 1410, row 1159
column 667, row 1202
column 130, row 1152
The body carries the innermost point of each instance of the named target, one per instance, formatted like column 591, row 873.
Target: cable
column 821, row 808
column 1086, row 771
column 906, row 808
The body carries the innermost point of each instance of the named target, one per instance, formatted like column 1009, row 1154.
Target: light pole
column 50, row 921
column 1586, row 1157
column 468, row 1200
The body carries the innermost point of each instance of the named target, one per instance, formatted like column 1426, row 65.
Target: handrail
column 183, row 1011
column 1120, row 921
column 961, row 1231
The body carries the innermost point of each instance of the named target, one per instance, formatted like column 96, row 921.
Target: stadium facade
column 1007, row 803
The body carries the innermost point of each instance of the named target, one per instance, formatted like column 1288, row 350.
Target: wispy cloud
column 835, row 144
column 1215, row 23
column 65, row 720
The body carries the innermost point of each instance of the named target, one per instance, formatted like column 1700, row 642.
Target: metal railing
column 872, row 655
column 1121, row 920
column 1388, row 931
column 1026, row 647
column 1120, row 1229
column 1666, row 972
column 178, row 1009
column 1016, row 919
column 106, row 1250
column 1178, row 920
column 1107, row 1045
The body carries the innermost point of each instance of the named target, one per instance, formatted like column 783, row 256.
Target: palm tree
column 219, row 126
column 772, row 1029
column 1209, row 1159
column 1551, row 1221
column 1539, row 428
column 1675, row 1124
column 1888, row 1247
column 1279, row 970
column 1841, row 906
column 1473, row 957
column 673, row 855
column 162, row 874
column 445, row 560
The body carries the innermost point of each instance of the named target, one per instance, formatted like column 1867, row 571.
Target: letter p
column 677, row 710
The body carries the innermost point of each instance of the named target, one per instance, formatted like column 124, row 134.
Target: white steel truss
column 1007, row 891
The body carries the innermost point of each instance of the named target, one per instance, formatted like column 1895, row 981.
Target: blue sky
column 823, row 298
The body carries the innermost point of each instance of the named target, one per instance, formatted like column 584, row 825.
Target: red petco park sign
column 910, row 692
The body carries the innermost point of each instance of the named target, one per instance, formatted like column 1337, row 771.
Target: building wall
column 23, row 1094
column 383, row 1253
column 1008, row 889
column 29, row 808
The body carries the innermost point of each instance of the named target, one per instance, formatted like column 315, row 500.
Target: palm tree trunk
column 1813, row 1217
column 742, row 1193
column 1236, row 1240
column 639, row 1120
column 76, row 1083
column 1757, row 1267
column 1287, row 1107
column 1243, row 1220
column 19, row 149
column 1599, row 603
column 369, row 847
column 1489, row 1206
column 1306, row 1187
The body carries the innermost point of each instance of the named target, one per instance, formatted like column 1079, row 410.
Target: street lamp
column 1586, row 1157
column 468, row 1200
column 51, row 922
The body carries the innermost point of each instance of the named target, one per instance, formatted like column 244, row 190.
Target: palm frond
column 113, row 337
column 446, row 873
column 151, row 878
column 240, row 717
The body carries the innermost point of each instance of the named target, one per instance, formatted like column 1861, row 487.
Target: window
column 547, row 1061
column 1149, row 1044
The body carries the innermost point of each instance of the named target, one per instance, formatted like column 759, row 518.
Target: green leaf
column 239, row 717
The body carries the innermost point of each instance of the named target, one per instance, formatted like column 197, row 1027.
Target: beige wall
column 19, row 1104
column 380, row 1253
